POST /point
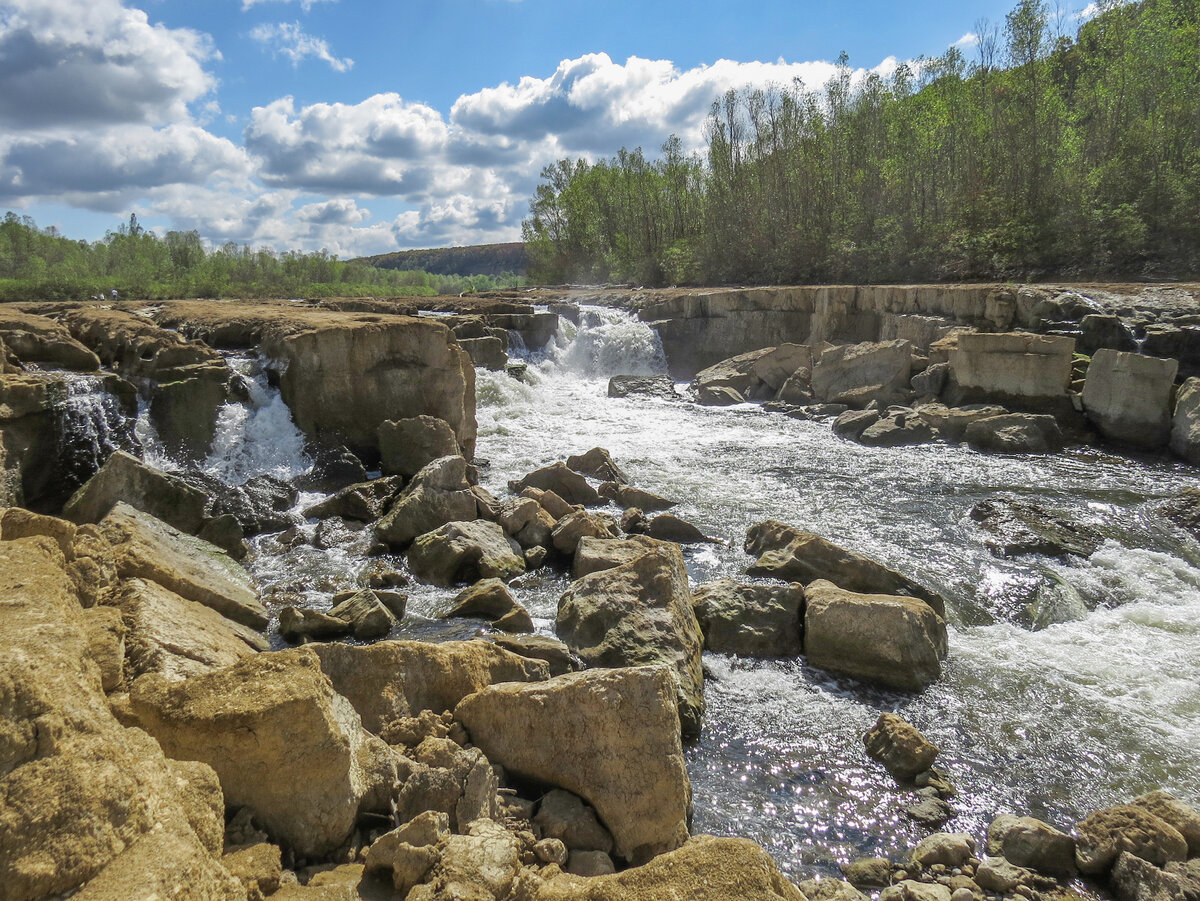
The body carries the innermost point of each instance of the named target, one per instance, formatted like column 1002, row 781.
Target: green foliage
column 40, row 264
column 1048, row 154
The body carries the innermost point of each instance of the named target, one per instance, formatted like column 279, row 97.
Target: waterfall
column 606, row 343
column 92, row 423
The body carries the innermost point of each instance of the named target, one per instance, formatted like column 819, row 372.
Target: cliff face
column 704, row 326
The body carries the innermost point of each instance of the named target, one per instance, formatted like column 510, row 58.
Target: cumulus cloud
column 305, row 5
column 289, row 40
column 95, row 62
column 970, row 39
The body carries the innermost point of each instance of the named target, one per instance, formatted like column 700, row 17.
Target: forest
column 41, row 264
column 1059, row 150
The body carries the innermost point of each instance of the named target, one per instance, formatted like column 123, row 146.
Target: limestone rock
column 491, row 600
column 897, row 428
column 299, row 624
column 857, row 374
column 1019, row 527
column 554, row 653
column 639, row 614
column 479, row 865
column 668, row 527
column 550, row 501
column 900, row 747
column 105, row 633
column 931, row 380
column 563, row 481
column 564, row 816
column 996, row 874
column 853, row 423
column 595, row 554
column 1015, row 433
column 125, row 478
column 735, row 375
column 1126, row 827
column 437, row 495
column 1134, row 879
column 599, row 464
column 626, row 496
column 164, row 866
column 1127, row 397
column 489, row 352
column 871, row 872
column 527, row 521
column 609, row 736
column 950, row 423
column 589, row 864
column 1170, row 809
column 362, row 502
column 659, row 386
column 1185, row 422
column 1013, row 366
column 465, row 552
column 38, row 339
column 259, row 723
column 576, row 526
column 778, row 364
column 830, row 890
column 406, row 446
column 911, row 890
column 258, row 867
column 798, row 556
column 888, row 640
column 721, row 396
column 146, row 548
column 951, row 849
column 1028, row 842
column 750, row 620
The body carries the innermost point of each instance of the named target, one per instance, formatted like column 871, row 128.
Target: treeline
column 41, row 264
column 1049, row 154
column 504, row 261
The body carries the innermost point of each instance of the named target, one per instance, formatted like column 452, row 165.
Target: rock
column 1019, row 527
column 88, row 555
column 798, row 388
column 185, row 408
column 37, row 339
column 1028, row 842
column 254, row 723
column 929, row 812
column 576, row 526
column 1134, row 879
column 951, row 849
column 599, row 464
column 750, row 620
column 857, row 374
column 164, row 866
column 146, row 548
column 105, row 633
column 550, row 851
column 1184, row 510
column 634, row 522
column 527, row 521
column 540, row 647
column 125, row 478
column 489, row 352
column 335, row 467
column 932, row 380
column 1185, row 423
column 659, row 386
column 718, row 397
column 911, row 890
column 798, row 556
column 563, row 481
column 594, row 554
column 893, row 641
column 852, row 423
column 226, row 533
column 778, row 364
column 406, row 446
column 465, row 552
column 899, row 429
column 639, row 614
column 479, row 865
column 1012, row 367
column 535, row 557
column 393, row 679
column 366, row 614
column 491, row 600
column 609, row 736
column 428, row 828
column 551, row 502
column 261, row 504
column 1127, row 397
column 626, row 496
column 363, row 502
column 995, row 874
column 300, row 624
column 1015, row 433
column 564, row 816
column 437, row 495
column 830, row 890
column 1171, row 810
column 704, row 869
column 734, row 376
column 1126, row 827
column 900, row 747
column 950, row 423
column 870, row 872
column 178, row 638
column 667, row 527
column 258, row 867
column 590, row 863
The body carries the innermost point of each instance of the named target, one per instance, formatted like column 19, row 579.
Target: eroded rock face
column 1013, row 366
column 857, row 374
column 639, row 614
column 609, row 736
column 280, row 739
column 750, row 620
column 897, row 642
column 1170, row 809
column 1127, row 397
column 36, row 339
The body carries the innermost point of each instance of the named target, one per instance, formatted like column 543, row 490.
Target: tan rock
column 1028, row 842
column 595, row 554
column 164, row 865
column 258, row 867
column 626, row 496
column 750, row 620
column 1182, row 816
column 406, row 446
column 1131, row 828
column 38, row 339
column 899, row 746
column 105, row 633
column 465, row 552
column 576, row 526
column 857, row 374
column 1013, row 365
column 491, row 600
column 479, row 865
column 437, row 495
column 563, row 481
column 1185, row 422
column 1127, row 396
column 125, row 478
column 609, row 736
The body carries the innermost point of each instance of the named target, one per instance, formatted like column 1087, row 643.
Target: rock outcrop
column 857, row 374
column 1014, row 368
column 1127, row 397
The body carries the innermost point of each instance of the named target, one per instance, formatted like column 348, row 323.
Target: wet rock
column 897, row 429
column 659, row 386
column 300, row 624
column 995, row 874
column 406, row 446
column 830, row 890
column 1184, row 510
column 869, row 872
column 950, row 849
column 668, row 527
column 1028, row 842
column 1130, row 828
column 639, row 614
column 563, row 481
column 633, row 522
column 461, row 552
column 261, row 504
column 541, row 647
column 798, row 556
column 227, row 534
column 437, row 495
column 718, row 397
column 930, row 812
column 1185, row 422
column 578, row 525
column 147, row 548
column 253, row 723
column 750, row 620
column 490, row 599
column 125, row 478
column 1015, row 433
column 564, row 816
column 856, row 374
column 1019, row 527
column 897, row 642
column 1185, row 818
column 366, row 614
column 599, row 464
column 610, row 737
column 364, row 502
column 185, row 407
column 627, row 496
column 950, row 423
column 535, row 557
column 900, row 747
column 335, row 467
column 853, row 423
column 1127, row 397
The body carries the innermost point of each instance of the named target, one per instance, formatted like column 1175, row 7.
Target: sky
column 367, row 126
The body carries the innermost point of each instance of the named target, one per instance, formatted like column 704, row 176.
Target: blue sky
column 364, row 127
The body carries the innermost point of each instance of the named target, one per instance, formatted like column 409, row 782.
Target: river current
column 1056, row 722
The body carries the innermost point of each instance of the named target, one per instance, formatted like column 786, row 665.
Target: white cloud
column 305, row 5
column 288, row 39
column 970, row 39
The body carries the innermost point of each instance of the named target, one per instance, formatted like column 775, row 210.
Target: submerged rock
column 659, row 386
column 1019, row 527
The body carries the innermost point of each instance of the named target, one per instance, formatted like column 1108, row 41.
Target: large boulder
column 1131, row 828
column 461, row 552
column 88, row 555
column 1013, row 367
column 735, row 374
column 1185, row 423
column 750, row 620
column 261, row 723
column 778, row 364
column 489, row 351
column 394, row 679
column 627, row 496
column 857, row 374
column 1028, row 842
column 406, row 446
column 897, row 642
column 147, row 548
column 599, row 464
column 950, row 423
column 563, row 481
column 361, row 502
column 437, row 495
column 1015, row 433
column 1127, row 397
column 609, row 736
column 1170, row 809
column 596, row 554
column 704, row 869
column 639, row 614
column 577, row 526
column 123, row 477
column 794, row 555
column 897, row 428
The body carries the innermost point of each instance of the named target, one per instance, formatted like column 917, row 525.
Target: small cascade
column 606, row 343
column 92, row 423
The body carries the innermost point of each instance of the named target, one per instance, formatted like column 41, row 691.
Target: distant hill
column 480, row 259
